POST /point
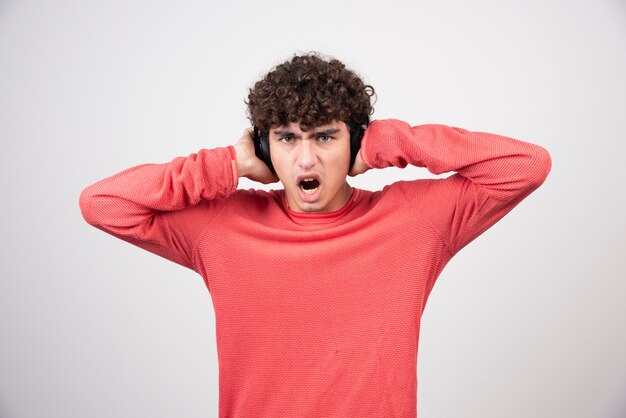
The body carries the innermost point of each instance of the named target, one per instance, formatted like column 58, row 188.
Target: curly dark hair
column 311, row 90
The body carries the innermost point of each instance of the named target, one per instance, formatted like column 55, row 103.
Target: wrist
column 241, row 159
column 375, row 143
column 383, row 143
column 233, row 164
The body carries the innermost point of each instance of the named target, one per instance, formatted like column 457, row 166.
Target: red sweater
column 318, row 314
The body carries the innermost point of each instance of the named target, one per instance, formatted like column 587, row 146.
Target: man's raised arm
column 138, row 204
column 493, row 173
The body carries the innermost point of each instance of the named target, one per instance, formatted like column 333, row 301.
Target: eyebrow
column 329, row 131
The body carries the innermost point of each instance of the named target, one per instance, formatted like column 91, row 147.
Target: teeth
column 305, row 190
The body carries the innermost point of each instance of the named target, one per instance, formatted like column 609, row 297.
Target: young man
column 319, row 287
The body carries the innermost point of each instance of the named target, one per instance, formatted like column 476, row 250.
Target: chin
column 309, row 207
column 312, row 207
column 300, row 205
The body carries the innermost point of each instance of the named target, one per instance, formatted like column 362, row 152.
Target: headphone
column 262, row 143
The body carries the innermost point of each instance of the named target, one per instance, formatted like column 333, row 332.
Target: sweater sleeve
column 492, row 173
column 157, row 206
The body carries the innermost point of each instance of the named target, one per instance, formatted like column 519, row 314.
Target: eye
column 286, row 139
column 324, row 138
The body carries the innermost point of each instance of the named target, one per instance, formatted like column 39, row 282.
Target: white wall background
column 527, row 321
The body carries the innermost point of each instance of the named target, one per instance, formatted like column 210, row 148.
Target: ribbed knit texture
column 318, row 314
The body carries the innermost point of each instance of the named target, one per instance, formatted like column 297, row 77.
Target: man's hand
column 248, row 164
column 359, row 167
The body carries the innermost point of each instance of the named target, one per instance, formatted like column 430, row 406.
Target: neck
column 348, row 190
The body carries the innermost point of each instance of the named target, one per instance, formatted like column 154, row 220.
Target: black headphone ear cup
column 356, row 134
column 262, row 148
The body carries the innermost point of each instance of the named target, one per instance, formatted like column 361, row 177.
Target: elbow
column 87, row 207
column 541, row 166
column 534, row 170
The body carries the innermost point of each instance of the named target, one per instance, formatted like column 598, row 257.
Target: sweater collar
column 321, row 217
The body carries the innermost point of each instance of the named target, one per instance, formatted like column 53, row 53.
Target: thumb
column 359, row 166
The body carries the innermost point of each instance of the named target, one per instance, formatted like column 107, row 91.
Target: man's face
column 312, row 165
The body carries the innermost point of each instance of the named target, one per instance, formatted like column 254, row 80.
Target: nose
column 307, row 155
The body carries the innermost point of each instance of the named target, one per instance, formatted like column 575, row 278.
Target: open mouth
column 309, row 185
